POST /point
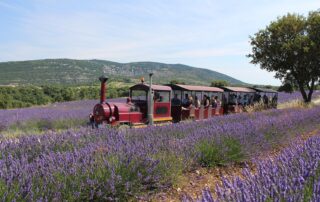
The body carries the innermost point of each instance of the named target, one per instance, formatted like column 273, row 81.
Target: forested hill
column 68, row 71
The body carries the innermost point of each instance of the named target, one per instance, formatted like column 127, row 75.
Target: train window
column 139, row 95
column 162, row 96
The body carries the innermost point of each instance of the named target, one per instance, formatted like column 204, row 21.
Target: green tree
column 219, row 83
column 286, row 87
column 290, row 47
column 176, row 82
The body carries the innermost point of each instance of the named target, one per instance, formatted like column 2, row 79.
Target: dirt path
column 193, row 182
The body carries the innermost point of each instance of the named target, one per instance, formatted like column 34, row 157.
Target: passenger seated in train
column 156, row 97
column 185, row 100
column 217, row 101
column 190, row 101
column 239, row 100
column 250, row 101
column 257, row 98
column 206, row 101
column 233, row 99
column 245, row 100
column 175, row 101
column 197, row 103
column 265, row 99
column 274, row 101
column 189, row 104
column 214, row 102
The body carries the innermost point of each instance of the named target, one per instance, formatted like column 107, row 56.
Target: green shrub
column 211, row 153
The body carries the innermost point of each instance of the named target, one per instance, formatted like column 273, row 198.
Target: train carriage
column 236, row 98
column 181, row 112
column 268, row 96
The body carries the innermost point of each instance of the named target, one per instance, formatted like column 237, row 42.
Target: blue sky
column 201, row 33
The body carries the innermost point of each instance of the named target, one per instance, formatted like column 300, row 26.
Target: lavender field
column 107, row 164
column 81, row 164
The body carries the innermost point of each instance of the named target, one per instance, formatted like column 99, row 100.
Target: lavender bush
column 292, row 176
column 107, row 164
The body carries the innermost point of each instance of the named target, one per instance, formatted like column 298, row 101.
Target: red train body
column 135, row 110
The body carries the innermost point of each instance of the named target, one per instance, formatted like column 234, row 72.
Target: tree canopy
column 219, row 83
column 177, row 82
column 290, row 47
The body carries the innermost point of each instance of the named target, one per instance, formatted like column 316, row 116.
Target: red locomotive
column 175, row 102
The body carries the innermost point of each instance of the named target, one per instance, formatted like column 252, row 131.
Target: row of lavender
column 106, row 164
column 292, row 176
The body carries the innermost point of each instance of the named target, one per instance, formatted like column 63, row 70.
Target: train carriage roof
column 145, row 87
column 238, row 89
column 266, row 90
column 194, row 88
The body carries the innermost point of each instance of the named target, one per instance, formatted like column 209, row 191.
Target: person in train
column 185, row 101
column 274, row 101
column 197, row 103
column 233, row 99
column 175, row 101
column 265, row 99
column 190, row 101
column 217, row 101
column 206, row 101
column 188, row 104
column 213, row 101
column 245, row 100
column 239, row 100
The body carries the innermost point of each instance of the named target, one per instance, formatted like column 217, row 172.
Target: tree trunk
column 310, row 95
column 303, row 93
column 311, row 88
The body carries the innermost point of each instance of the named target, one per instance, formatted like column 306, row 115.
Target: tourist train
column 152, row 104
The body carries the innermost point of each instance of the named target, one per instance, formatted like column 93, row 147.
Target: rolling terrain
column 69, row 71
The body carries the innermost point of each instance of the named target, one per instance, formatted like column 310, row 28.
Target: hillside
column 68, row 71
